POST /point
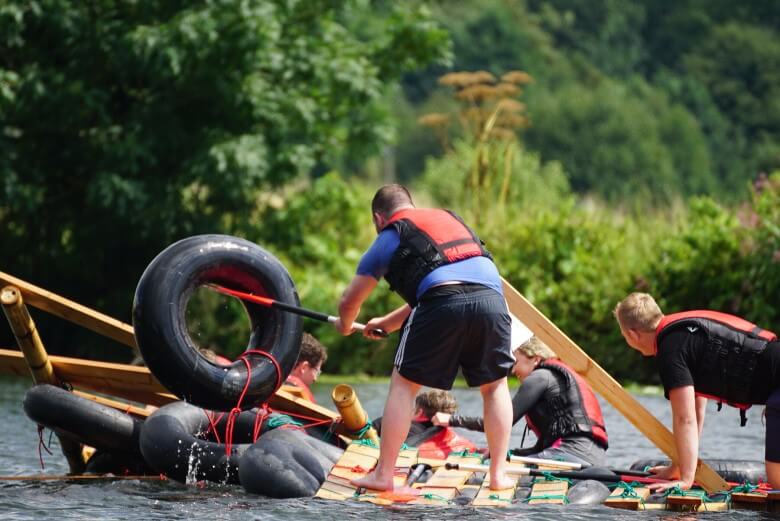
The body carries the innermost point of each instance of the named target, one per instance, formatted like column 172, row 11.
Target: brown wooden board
column 548, row 491
column 632, row 500
column 444, row 485
column 497, row 498
column 72, row 311
column 357, row 461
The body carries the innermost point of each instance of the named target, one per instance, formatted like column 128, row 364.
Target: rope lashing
column 42, row 443
column 555, row 497
column 236, row 411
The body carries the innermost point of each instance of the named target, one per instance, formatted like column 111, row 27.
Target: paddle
column 603, row 383
column 573, row 466
column 597, row 474
column 271, row 303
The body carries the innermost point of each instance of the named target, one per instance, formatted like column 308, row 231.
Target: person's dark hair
column 312, row 351
column 436, row 400
column 390, row 197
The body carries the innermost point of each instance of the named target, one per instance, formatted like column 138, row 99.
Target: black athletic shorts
column 452, row 326
column 772, row 452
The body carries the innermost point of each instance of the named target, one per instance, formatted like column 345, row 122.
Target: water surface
column 723, row 438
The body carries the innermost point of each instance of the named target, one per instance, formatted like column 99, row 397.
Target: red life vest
column 429, row 239
column 570, row 408
column 305, row 391
column 734, row 345
column 440, row 445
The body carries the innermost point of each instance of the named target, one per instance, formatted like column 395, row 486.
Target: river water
column 132, row 499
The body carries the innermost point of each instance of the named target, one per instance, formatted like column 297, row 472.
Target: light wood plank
column 72, row 311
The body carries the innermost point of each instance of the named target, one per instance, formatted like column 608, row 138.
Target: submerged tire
column 83, row 420
column 160, row 306
column 173, row 442
column 736, row 471
column 588, row 492
column 287, row 463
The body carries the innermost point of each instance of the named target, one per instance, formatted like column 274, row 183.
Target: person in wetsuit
column 558, row 405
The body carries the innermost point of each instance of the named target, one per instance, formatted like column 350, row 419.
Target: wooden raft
column 446, row 484
column 498, row 498
column 358, row 460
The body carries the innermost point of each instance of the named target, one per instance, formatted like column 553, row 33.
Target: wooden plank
column 632, row 500
column 444, row 484
column 120, row 406
column 72, row 311
column 603, row 383
column 548, row 491
column 497, row 498
column 138, row 384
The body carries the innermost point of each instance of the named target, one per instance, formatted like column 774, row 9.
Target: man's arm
column 353, row 297
column 686, row 427
column 388, row 323
column 701, row 409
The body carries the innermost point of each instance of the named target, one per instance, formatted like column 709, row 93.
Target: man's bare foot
column 374, row 482
column 503, row 483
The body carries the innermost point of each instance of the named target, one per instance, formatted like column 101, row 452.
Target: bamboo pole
column 30, row 343
column 27, row 336
column 604, row 384
column 72, row 311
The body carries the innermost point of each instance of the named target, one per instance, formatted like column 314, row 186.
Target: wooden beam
column 72, row 311
column 138, row 384
column 603, row 383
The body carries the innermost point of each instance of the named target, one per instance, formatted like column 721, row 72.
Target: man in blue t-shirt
column 455, row 317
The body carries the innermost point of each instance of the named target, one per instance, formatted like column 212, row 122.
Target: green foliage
column 623, row 143
column 126, row 126
column 740, row 65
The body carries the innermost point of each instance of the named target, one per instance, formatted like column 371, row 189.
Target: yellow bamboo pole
column 352, row 413
column 30, row 343
column 603, row 383
column 27, row 336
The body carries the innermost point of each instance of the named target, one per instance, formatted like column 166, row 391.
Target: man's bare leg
column 773, row 474
column 396, row 420
column 497, row 404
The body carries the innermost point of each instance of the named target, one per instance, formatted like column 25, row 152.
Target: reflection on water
column 170, row 500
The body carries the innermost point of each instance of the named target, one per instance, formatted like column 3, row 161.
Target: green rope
column 496, row 497
column 435, row 497
column 466, row 453
column 628, row 490
column 362, row 432
column 745, row 487
column 364, row 441
column 548, row 496
column 278, row 420
column 548, row 476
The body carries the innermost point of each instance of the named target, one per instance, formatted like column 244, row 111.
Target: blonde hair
column 535, row 347
column 638, row 311
column 434, row 401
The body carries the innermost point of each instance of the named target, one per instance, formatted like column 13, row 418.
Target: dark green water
column 723, row 438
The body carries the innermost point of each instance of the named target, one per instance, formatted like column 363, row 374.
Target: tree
column 127, row 125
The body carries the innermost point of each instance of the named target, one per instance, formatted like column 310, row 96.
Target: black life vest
column 430, row 238
column 733, row 347
column 568, row 408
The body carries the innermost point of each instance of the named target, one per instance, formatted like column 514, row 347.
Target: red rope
column 41, row 443
column 260, row 417
column 210, row 415
column 236, row 411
